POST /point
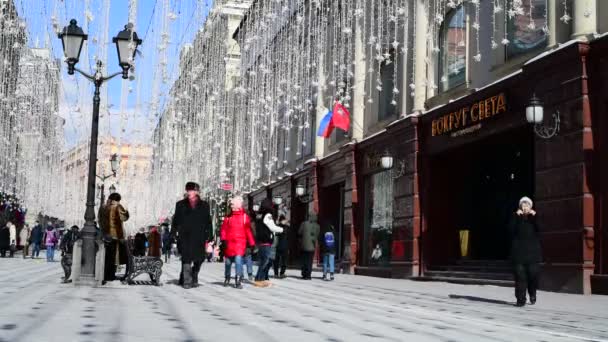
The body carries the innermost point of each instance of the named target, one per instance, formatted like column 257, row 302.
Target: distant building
column 132, row 179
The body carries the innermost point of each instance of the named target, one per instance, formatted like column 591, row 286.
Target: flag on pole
column 326, row 127
column 341, row 117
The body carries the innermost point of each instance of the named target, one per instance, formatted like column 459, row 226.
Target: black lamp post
column 72, row 38
column 114, row 165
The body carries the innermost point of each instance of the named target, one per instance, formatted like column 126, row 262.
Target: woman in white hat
column 526, row 252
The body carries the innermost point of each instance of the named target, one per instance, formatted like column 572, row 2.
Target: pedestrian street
column 36, row 307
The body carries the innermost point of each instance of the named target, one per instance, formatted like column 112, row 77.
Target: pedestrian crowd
column 243, row 235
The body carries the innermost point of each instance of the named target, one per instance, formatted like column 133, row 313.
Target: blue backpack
column 329, row 240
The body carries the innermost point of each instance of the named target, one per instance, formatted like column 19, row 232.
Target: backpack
column 329, row 240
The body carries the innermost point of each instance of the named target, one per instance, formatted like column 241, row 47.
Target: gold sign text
column 470, row 115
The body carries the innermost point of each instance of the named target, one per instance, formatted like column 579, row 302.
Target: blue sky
column 136, row 121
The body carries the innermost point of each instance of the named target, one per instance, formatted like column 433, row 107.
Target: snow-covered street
column 36, row 307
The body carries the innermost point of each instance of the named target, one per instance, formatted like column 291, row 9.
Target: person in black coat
column 526, row 252
column 139, row 243
column 5, row 240
column 282, row 249
column 191, row 224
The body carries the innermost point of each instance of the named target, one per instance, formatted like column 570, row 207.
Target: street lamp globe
column 278, row 200
column 534, row 110
column 300, row 190
column 114, row 163
column 72, row 38
column 126, row 42
column 256, row 208
column 386, row 161
column 112, row 189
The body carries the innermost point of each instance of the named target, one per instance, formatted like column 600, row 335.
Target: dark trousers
column 66, row 263
column 110, row 261
column 280, row 263
column 263, row 262
column 189, row 273
column 526, row 278
column 307, row 264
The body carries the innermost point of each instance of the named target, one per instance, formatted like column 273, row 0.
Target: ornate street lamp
column 386, row 161
column 72, row 38
column 535, row 116
column 256, row 207
column 301, row 194
column 126, row 42
column 278, row 200
column 114, row 165
column 112, row 189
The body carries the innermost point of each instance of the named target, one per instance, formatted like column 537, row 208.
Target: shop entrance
column 477, row 188
column 331, row 211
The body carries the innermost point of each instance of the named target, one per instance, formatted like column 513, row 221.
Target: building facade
column 132, row 179
column 463, row 152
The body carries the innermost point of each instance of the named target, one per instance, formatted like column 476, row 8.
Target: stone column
column 585, row 18
column 321, row 109
column 552, row 22
column 358, row 113
column 420, row 54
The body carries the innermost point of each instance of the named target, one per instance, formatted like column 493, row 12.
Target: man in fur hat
column 111, row 221
column 191, row 224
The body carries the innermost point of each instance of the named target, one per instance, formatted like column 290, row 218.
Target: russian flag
column 326, row 127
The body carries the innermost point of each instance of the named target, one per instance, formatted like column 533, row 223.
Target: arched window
column 527, row 32
column 453, row 61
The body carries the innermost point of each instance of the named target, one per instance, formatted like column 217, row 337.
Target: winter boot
column 195, row 269
column 187, row 276
column 226, row 281
column 250, row 276
column 238, row 281
column 331, row 276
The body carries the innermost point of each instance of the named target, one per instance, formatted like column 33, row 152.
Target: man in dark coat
column 36, row 239
column 191, row 224
column 67, row 248
column 525, row 251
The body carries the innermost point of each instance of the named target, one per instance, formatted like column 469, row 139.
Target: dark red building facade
column 463, row 167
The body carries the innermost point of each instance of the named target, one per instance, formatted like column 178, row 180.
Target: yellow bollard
column 464, row 243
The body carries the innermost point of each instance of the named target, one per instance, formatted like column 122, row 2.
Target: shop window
column 379, row 218
column 452, row 63
column 527, row 32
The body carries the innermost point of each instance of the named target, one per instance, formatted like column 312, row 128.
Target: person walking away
column 209, row 250
column 265, row 230
column 5, row 240
column 329, row 252
column 139, row 248
column 236, row 234
column 526, row 251
column 167, row 242
column 154, row 243
column 24, row 239
column 309, row 234
column 251, row 250
column 13, row 238
column 50, row 242
column 36, row 239
column 67, row 248
column 112, row 225
column 282, row 249
column 191, row 224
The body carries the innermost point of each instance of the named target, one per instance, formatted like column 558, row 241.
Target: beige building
column 131, row 180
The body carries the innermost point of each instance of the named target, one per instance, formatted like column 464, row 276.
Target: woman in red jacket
column 236, row 236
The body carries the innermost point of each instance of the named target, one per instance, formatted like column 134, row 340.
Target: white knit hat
column 526, row 200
